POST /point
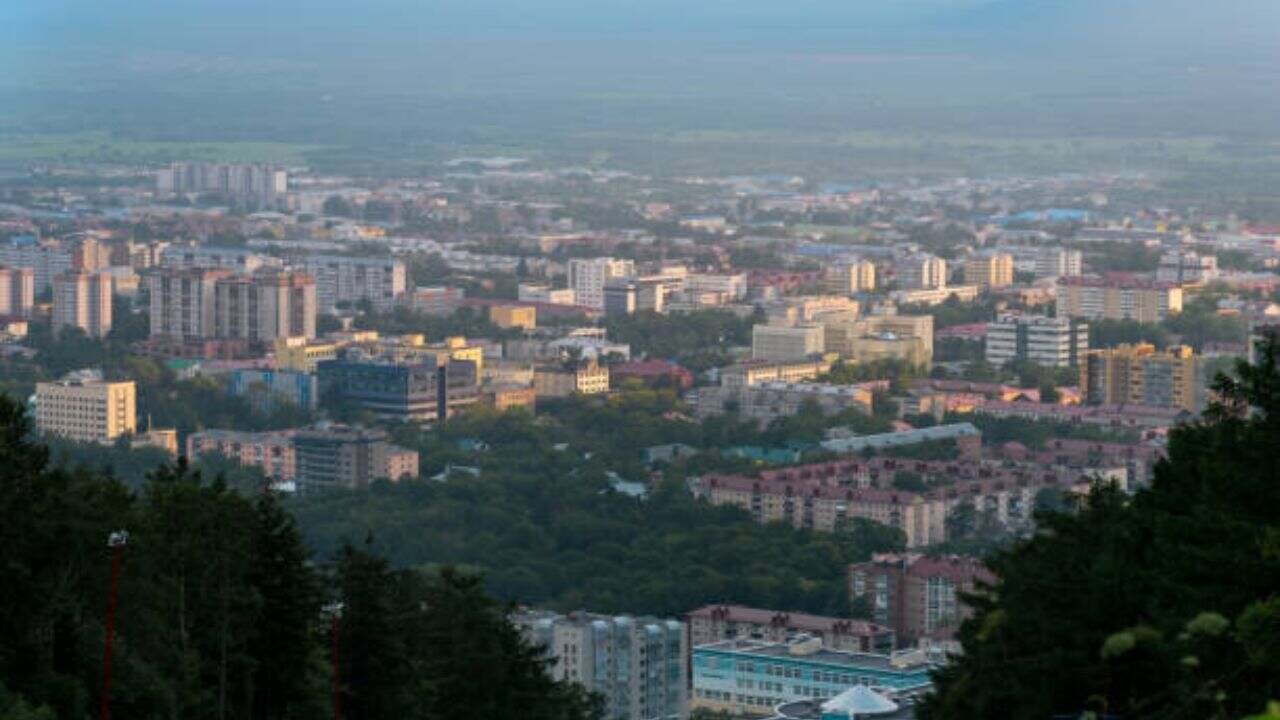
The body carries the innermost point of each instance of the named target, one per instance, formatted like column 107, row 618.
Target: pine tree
column 283, row 642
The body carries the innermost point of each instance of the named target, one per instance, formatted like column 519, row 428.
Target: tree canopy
column 1165, row 604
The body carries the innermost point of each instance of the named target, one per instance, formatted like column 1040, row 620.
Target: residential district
column 941, row 359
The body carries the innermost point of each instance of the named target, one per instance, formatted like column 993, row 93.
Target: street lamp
column 117, row 542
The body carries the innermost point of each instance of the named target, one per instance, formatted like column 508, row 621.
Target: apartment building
column 87, row 410
column 339, row 456
column 82, row 300
column 1138, row 374
column 921, row 272
column 918, row 596
column 351, row 280
column 882, row 337
column 850, row 277
column 1117, row 298
column 585, row 377
column 265, row 306
column 270, row 452
column 823, row 506
column 989, row 270
column 523, row 317
column 767, row 401
column 751, row 372
column 811, row 309
column 1047, row 341
column 783, row 342
column 236, row 259
column 17, row 291
column 715, row 623
column 638, row 665
column 588, row 276
column 214, row 303
column 1058, row 262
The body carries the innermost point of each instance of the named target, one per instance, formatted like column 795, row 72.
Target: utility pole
column 117, row 542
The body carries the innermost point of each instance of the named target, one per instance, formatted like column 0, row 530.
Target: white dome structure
column 858, row 701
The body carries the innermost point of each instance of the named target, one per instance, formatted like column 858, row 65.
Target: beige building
column 524, row 317
column 753, row 372
column 808, row 309
column 87, row 410
column 302, row 355
column 936, row 296
column 1137, row 374
column 586, row 378
column 989, row 270
column 394, row 463
column 784, row 342
column 883, row 337
column 1095, row 298
column 713, row 623
column 922, row 271
column 17, row 291
column 849, row 278
column 203, row 303
column 82, row 300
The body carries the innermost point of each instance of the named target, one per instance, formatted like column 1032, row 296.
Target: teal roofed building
column 750, row 677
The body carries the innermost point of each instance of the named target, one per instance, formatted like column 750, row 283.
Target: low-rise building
column 87, row 410
column 270, row 452
column 783, row 342
column 714, row 623
column 586, row 377
column 524, row 317
column 752, row 677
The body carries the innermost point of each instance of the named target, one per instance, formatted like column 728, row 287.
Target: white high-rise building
column 587, row 277
column 1047, row 341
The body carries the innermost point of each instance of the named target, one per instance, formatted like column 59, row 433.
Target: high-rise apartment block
column 638, row 665
column 264, row 184
column 989, row 270
column 1138, row 374
column 922, row 271
column 352, row 280
column 17, row 291
column 202, row 303
column 87, row 410
column 588, row 276
column 785, row 342
column 850, row 277
column 1047, row 341
column 82, row 300
column 917, row 595
column 1120, row 298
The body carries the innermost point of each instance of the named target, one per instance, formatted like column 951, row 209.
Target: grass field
column 102, row 148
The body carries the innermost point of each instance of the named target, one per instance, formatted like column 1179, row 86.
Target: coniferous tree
column 283, row 641
column 1165, row 604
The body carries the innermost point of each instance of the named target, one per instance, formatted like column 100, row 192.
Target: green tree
column 1162, row 604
